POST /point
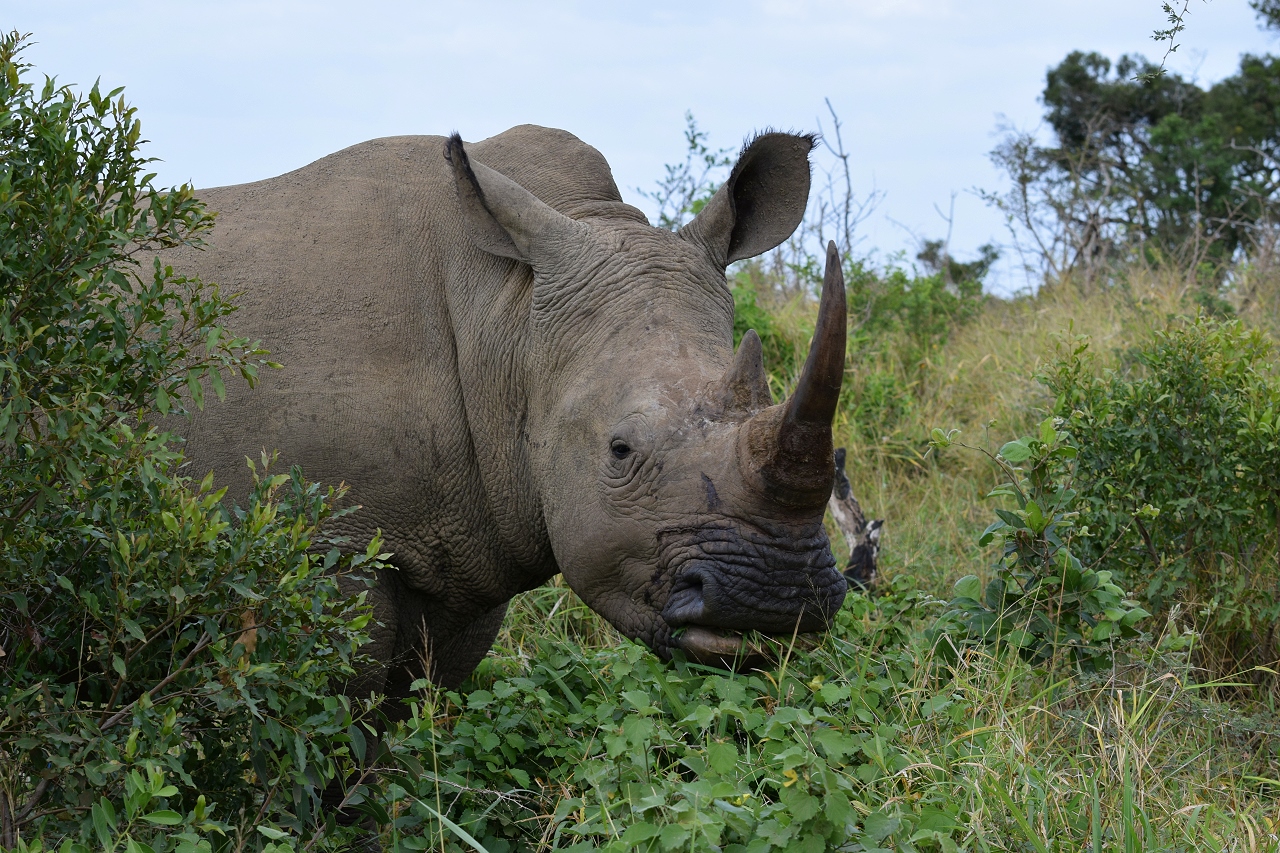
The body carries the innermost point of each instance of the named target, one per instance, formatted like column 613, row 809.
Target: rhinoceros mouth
column 726, row 649
column 736, row 651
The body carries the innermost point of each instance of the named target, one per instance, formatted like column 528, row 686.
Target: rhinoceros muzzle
column 748, row 580
column 731, row 580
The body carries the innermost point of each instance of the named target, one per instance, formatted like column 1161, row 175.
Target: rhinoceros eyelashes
column 620, row 449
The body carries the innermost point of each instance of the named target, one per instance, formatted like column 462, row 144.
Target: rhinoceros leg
column 403, row 648
column 384, row 596
column 400, row 646
column 455, row 654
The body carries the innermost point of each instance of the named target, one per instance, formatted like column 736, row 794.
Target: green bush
column 1041, row 599
column 1190, row 425
column 922, row 310
column 784, row 346
column 166, row 663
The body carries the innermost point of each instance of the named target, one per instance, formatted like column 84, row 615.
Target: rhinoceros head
column 679, row 501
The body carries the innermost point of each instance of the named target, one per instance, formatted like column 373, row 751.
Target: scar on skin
column 713, row 499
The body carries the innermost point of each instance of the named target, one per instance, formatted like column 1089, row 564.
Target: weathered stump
column 862, row 536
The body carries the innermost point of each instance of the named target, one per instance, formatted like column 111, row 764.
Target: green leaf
column 453, row 827
column 722, row 757
column 164, row 817
column 935, row 820
column 1035, row 517
column 1016, row 451
column 989, row 535
column 1048, row 435
column 1019, row 638
column 994, row 595
column 878, row 826
column 1134, row 616
column 968, row 587
column 479, row 699
column 1012, row 519
column 674, row 836
column 195, row 389
column 639, row 832
column 104, row 822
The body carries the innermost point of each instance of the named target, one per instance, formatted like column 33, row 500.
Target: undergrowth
column 571, row 737
column 867, row 742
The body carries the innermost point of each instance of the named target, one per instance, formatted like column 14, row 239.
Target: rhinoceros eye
column 620, row 449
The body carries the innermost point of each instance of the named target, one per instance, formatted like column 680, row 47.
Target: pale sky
column 234, row 91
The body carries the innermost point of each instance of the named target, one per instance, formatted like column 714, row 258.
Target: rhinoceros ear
column 762, row 202
column 502, row 217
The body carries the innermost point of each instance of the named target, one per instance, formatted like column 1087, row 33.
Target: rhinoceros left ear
column 762, row 202
column 502, row 217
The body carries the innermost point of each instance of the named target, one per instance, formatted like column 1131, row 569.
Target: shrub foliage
column 166, row 662
column 1041, row 599
column 1190, row 426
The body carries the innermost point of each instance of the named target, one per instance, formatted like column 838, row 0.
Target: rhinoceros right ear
column 502, row 217
column 762, row 202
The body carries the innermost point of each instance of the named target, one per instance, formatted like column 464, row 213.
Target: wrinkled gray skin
column 517, row 376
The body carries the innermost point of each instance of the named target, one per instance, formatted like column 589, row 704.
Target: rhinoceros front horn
column 789, row 446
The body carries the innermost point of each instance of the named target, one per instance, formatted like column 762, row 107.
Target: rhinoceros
column 517, row 376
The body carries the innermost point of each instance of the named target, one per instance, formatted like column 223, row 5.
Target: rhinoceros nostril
column 686, row 604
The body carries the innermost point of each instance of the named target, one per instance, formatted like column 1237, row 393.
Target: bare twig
column 204, row 640
column 32, row 802
column 1177, row 23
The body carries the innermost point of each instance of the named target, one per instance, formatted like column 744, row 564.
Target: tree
column 1268, row 11
column 1143, row 161
column 965, row 277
